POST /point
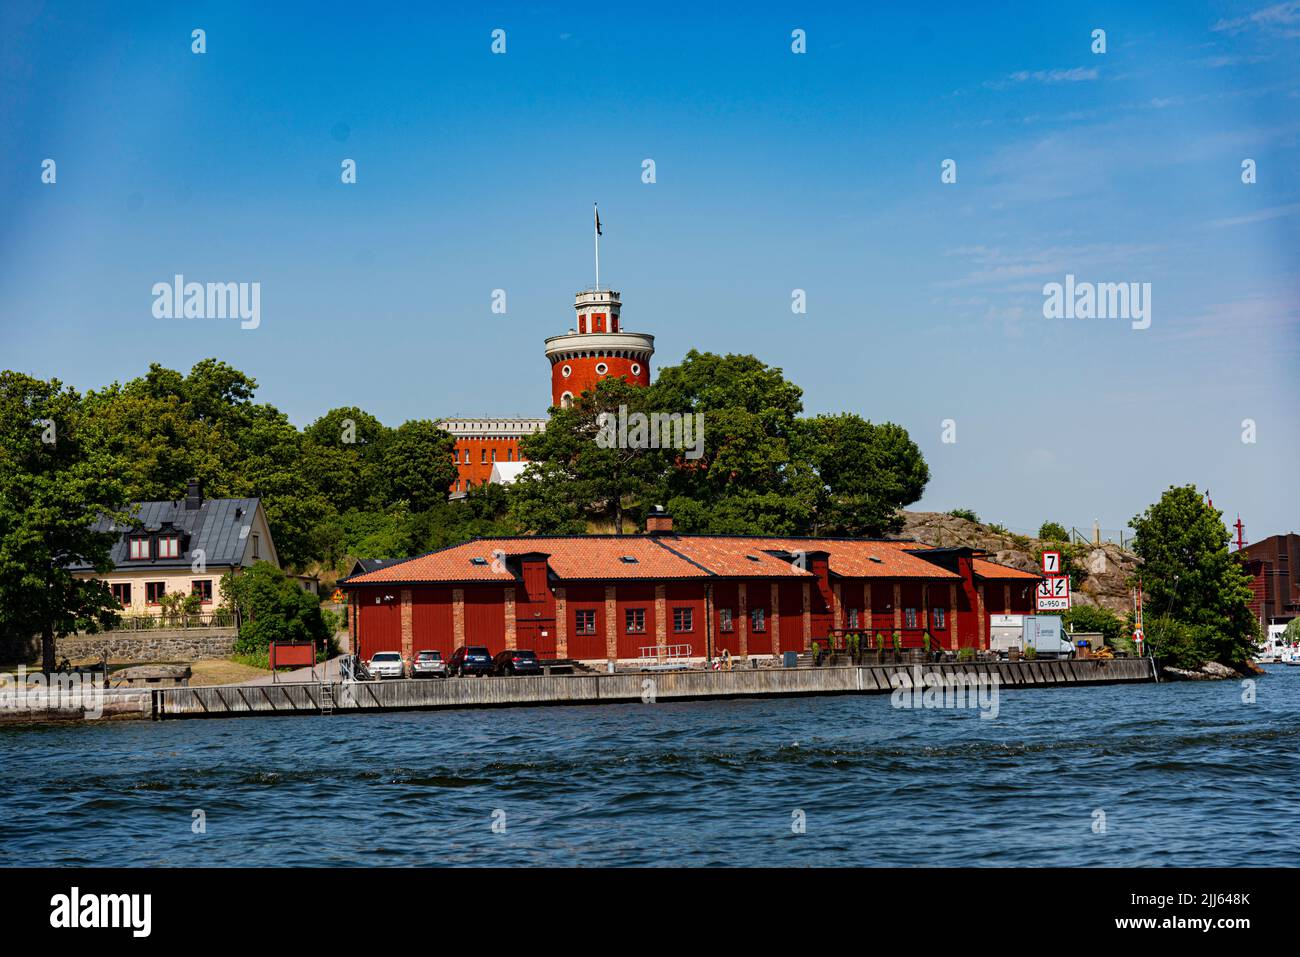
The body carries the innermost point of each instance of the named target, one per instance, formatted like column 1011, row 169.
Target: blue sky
column 775, row 171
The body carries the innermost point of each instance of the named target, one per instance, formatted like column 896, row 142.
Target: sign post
column 1053, row 593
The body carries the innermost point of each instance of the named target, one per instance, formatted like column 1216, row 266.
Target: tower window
column 601, row 368
column 566, row 371
column 636, row 369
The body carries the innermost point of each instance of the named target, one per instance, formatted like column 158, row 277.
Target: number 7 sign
column 1051, row 563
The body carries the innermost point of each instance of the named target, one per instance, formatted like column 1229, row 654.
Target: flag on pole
column 598, row 232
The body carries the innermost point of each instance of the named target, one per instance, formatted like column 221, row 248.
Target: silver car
column 387, row 664
column 428, row 664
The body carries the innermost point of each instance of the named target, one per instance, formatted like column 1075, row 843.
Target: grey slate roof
column 215, row 526
column 363, row 565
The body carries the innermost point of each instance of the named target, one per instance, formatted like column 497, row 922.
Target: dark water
column 1185, row 774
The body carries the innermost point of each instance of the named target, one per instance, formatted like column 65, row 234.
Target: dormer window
column 139, row 548
column 169, row 547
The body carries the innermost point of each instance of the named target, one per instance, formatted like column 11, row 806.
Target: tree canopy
column 1190, row 577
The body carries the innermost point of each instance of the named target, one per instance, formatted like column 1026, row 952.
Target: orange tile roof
column 570, row 557
column 987, row 569
column 597, row 557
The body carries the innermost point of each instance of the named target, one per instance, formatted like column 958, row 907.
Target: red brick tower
column 599, row 347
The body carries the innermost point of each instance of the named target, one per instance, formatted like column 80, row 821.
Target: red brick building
column 1274, row 567
column 606, row 597
column 596, row 349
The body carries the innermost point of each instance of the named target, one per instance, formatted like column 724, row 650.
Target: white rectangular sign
column 1051, row 563
column 1053, row 593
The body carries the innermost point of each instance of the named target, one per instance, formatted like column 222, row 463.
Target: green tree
column 53, row 488
column 965, row 513
column 867, row 473
column 1093, row 618
column 272, row 607
column 1189, row 575
column 1053, row 532
column 417, row 464
column 576, row 473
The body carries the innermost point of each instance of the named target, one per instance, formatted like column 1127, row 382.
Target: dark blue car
column 470, row 660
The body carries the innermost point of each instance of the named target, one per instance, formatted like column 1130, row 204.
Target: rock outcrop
column 1104, row 570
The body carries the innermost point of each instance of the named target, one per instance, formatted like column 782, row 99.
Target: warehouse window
column 585, row 621
column 936, row 615
column 683, row 620
column 483, row 457
column 635, row 620
column 853, row 618
column 724, row 620
column 909, row 617
column 757, row 618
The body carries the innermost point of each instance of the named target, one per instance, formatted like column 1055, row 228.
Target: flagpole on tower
column 596, row 210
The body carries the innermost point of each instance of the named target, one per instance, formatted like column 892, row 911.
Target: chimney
column 659, row 522
column 194, row 495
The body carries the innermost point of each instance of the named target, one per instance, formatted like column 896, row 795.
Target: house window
column 203, row 588
column 724, row 620
column 585, row 621
column 853, row 618
column 256, row 553
column 909, row 617
column 494, row 455
column 758, row 618
column 154, row 591
column 510, row 455
column 683, row 620
column 936, row 616
column 122, row 593
column 482, row 457
column 139, row 548
column 635, row 620
column 169, row 547
column 467, row 456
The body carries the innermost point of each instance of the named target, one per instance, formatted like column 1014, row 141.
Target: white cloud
column 1281, row 19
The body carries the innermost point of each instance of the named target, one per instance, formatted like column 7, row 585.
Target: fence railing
column 201, row 620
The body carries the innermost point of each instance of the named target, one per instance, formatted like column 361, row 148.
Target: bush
column 965, row 513
column 1090, row 618
column 1181, row 644
column 1053, row 532
column 273, row 608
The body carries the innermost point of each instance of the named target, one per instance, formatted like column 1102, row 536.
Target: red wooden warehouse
column 607, row 597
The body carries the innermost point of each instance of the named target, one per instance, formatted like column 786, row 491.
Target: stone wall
column 157, row 645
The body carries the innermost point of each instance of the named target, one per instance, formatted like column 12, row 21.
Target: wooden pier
column 429, row 694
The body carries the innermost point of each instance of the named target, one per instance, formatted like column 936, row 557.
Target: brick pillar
column 511, row 638
column 408, row 636
column 1006, row 599
column 775, row 626
column 710, row 622
column 925, row 608
column 869, row 611
column 611, row 623
column 837, row 609
column 661, row 622
column 982, row 622
column 458, row 616
column 742, row 612
column 807, row 616
column 952, row 615
column 898, row 607
column 561, row 624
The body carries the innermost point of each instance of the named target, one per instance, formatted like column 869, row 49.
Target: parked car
column 470, row 660
column 428, row 664
column 516, row 662
column 387, row 664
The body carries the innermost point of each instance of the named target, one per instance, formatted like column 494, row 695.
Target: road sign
column 1051, row 563
column 338, row 595
column 1053, row 593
